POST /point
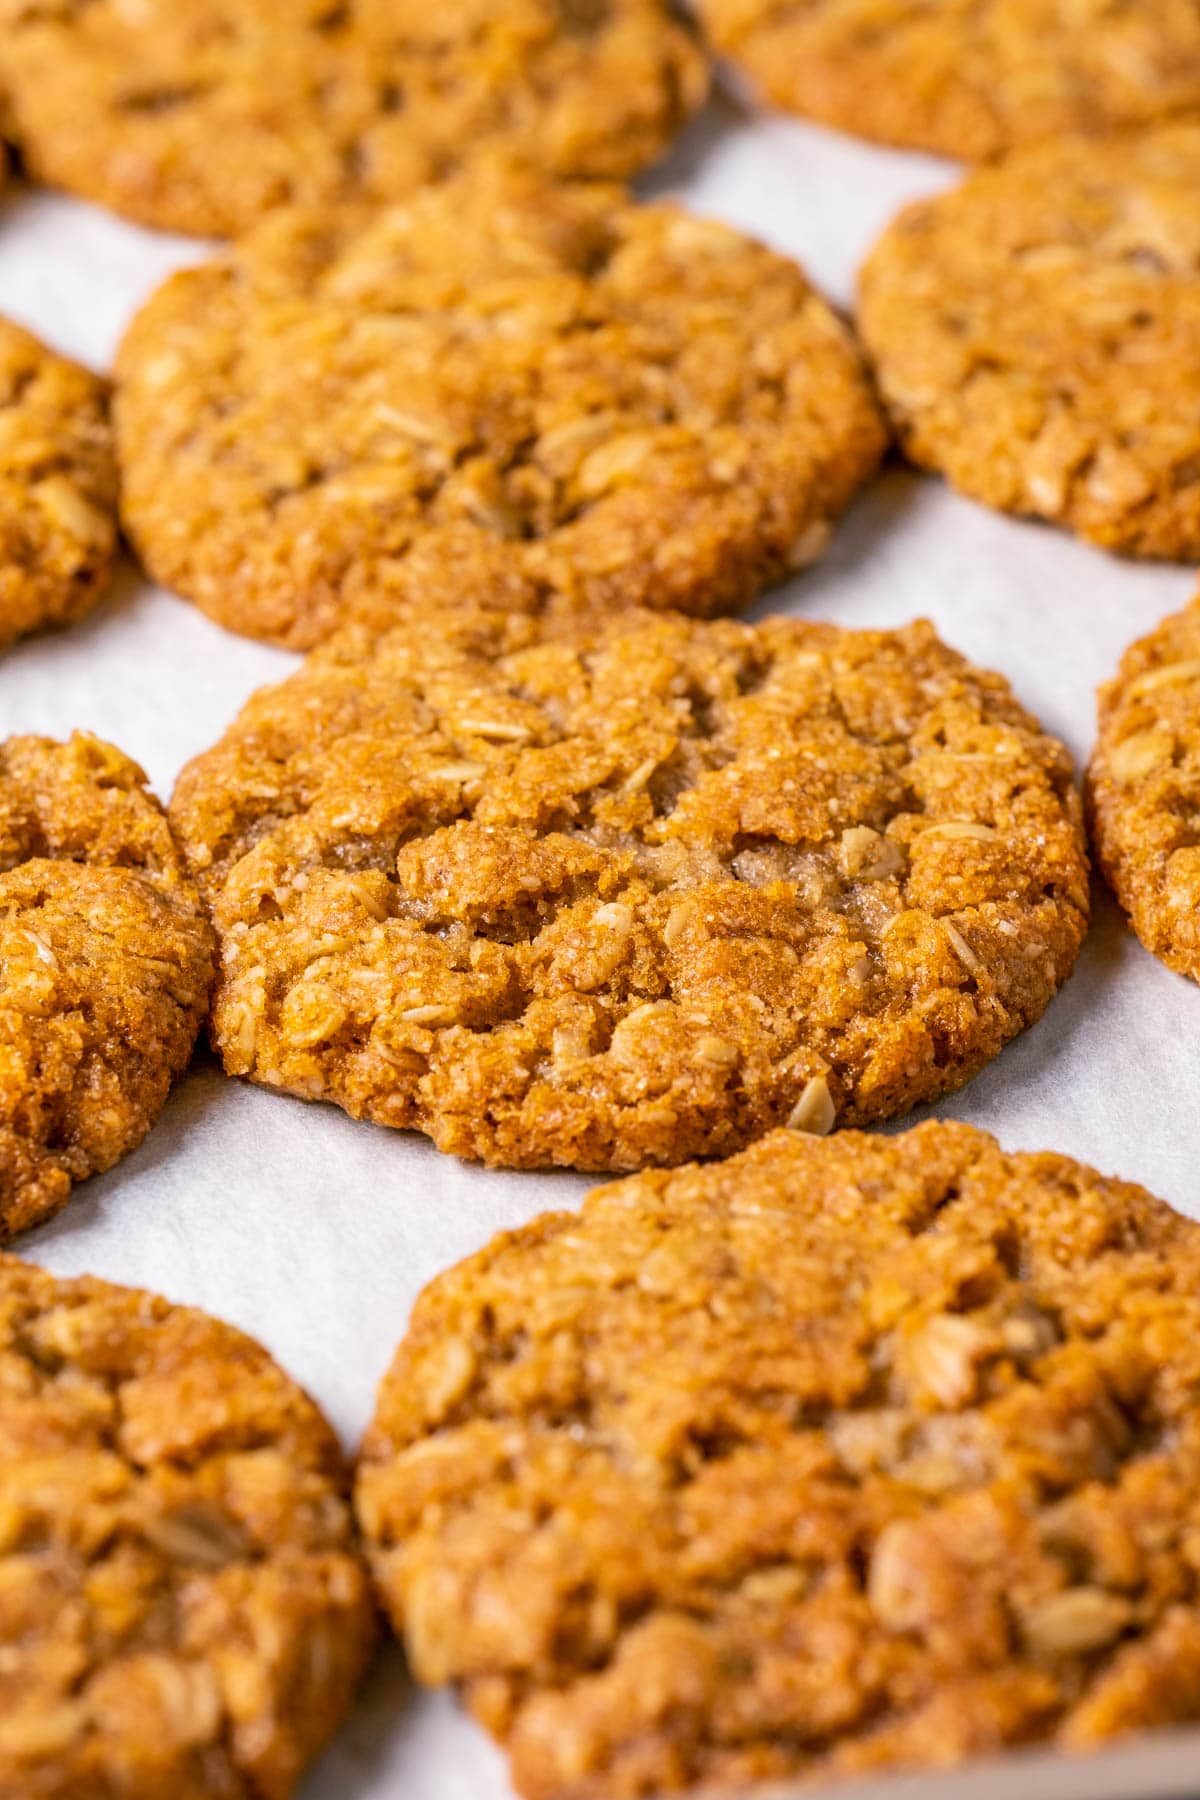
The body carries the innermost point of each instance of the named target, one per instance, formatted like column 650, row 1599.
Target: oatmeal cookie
column 106, row 961
column 967, row 78
column 183, row 1613
column 58, row 487
column 1036, row 336
column 635, row 892
column 202, row 115
column 834, row 1456
column 503, row 387
column 1144, row 789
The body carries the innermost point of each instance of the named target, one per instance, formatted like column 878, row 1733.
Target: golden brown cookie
column 831, row 1457
column 502, row 388
column 58, row 487
column 183, row 1613
column 636, row 893
column 202, row 115
column 106, row 961
column 968, row 78
column 1036, row 336
column 1144, row 788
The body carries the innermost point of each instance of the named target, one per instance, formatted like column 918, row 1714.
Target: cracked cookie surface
column 1144, row 789
column 834, row 1456
column 967, row 78
column 106, row 962
column 58, row 486
column 635, row 892
column 504, row 389
column 1036, row 335
column 202, row 115
column 183, row 1613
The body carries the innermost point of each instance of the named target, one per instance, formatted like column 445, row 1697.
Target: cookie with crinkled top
column 202, row 115
column 832, row 1457
column 967, row 78
column 1144, row 788
column 183, row 1612
column 631, row 892
column 58, row 486
column 505, row 389
column 1036, row 337
column 106, row 962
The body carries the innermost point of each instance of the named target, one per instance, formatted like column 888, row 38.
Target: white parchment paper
column 315, row 1233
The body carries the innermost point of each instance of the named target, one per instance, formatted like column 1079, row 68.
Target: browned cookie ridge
column 106, row 961
column 202, row 115
column 58, row 486
column 1036, row 337
column 183, row 1613
column 1144, row 788
column 968, row 78
column 506, row 389
column 635, row 892
column 835, row 1456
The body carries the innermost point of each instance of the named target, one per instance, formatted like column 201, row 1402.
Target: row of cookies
column 553, row 394
column 449, row 873
column 599, row 895
column 837, row 1455
column 203, row 115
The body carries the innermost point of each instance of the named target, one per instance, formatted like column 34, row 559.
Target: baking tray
column 315, row 1232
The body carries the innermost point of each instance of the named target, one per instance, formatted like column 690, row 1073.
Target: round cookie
column 106, row 961
column 835, row 1456
column 202, row 115
column 58, row 487
column 1144, row 788
column 505, row 389
column 634, row 893
column 183, row 1613
column 1036, row 337
column 967, row 78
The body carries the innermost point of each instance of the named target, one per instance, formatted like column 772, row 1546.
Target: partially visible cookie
column 829, row 1458
column 968, row 78
column 1144, row 788
column 504, row 388
column 183, row 1613
column 1036, row 337
column 202, row 115
column 106, row 962
column 58, row 487
column 636, row 892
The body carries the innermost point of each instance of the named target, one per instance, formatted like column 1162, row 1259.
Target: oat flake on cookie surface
column 183, row 1613
column 967, row 78
column 106, row 962
column 1144, row 788
column 838, row 1455
column 58, row 487
column 504, row 388
column 202, row 115
column 1036, row 337
column 634, row 892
